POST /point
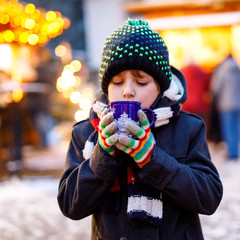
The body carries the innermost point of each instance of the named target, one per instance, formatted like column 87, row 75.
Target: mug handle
column 150, row 114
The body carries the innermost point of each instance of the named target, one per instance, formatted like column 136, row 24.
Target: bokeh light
column 64, row 83
column 30, row 8
column 67, row 74
column 9, row 36
column 88, row 93
column 78, row 81
column 33, row 39
column 85, row 104
column 23, row 37
column 51, row 16
column 80, row 115
column 67, row 92
column 60, row 51
column 17, row 94
column 28, row 19
column 75, row 97
column 29, row 23
column 69, row 67
column 69, row 85
column 76, row 65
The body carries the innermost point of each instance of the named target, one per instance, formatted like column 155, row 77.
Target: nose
column 128, row 90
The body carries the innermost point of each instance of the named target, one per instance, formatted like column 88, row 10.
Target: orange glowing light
column 17, row 95
column 2, row 38
column 50, row 16
column 23, row 37
column 37, row 14
column 9, row 36
column 19, row 18
column 67, row 23
column 60, row 21
column 42, row 38
column 4, row 19
column 30, row 8
column 29, row 23
column 33, row 39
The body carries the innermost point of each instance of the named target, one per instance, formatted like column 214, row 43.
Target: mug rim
column 114, row 102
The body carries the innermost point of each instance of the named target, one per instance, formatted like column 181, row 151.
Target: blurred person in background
column 153, row 185
column 197, row 89
column 225, row 87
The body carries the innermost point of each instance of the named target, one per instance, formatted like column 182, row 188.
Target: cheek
column 147, row 103
column 149, row 96
column 113, row 93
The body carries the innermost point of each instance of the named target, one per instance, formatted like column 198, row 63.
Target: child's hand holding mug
column 107, row 137
column 135, row 140
column 139, row 149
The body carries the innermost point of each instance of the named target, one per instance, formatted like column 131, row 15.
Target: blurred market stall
column 27, row 74
column 203, row 30
column 23, row 30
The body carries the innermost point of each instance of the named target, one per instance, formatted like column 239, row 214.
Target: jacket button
column 123, row 238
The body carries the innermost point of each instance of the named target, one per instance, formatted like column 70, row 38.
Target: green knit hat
column 135, row 46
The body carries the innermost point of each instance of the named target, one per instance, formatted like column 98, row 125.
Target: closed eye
column 117, row 82
column 142, row 83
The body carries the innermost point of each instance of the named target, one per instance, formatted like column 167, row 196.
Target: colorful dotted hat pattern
column 135, row 46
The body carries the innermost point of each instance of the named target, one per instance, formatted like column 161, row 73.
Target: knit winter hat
column 135, row 46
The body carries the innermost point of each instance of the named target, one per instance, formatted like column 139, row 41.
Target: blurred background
column 50, row 55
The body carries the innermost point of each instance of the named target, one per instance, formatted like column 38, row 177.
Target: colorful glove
column 106, row 136
column 139, row 149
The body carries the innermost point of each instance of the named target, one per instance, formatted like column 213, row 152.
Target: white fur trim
column 88, row 149
column 175, row 90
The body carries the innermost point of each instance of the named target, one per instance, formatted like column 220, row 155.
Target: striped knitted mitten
column 139, row 149
column 107, row 137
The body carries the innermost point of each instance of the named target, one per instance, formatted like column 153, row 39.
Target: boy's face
column 133, row 85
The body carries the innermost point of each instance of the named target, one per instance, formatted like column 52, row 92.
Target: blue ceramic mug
column 125, row 111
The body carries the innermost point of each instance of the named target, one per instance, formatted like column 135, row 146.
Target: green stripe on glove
column 107, row 137
column 139, row 149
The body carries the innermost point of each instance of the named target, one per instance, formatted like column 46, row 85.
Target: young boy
column 148, row 187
